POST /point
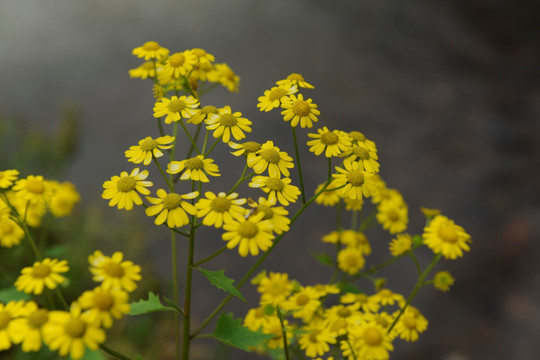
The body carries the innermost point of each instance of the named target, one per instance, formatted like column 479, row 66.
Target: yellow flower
column 150, row 50
column 356, row 182
column 272, row 98
column 373, row 342
column 123, row 190
column 444, row 237
column 332, row 143
column 303, row 303
column 7, row 178
column 349, row 237
column 171, row 208
column 400, row 244
column 359, row 138
column 295, row 79
column 276, row 214
column 144, row 71
column 388, row 297
column 350, row 260
column 327, row 198
column 443, row 280
column 273, row 327
column 113, row 272
column 246, row 148
column 45, row 273
column 33, row 189
column 219, row 209
column 255, row 318
column 180, row 64
column 340, row 319
column 367, row 159
column 64, row 198
column 10, row 233
column 297, row 110
column 9, row 312
column 272, row 158
column 277, row 189
column 176, row 108
column 250, row 235
column 203, row 114
column 410, row 324
column 393, row 216
column 101, row 305
column 227, row 123
column 314, row 340
column 274, row 288
column 225, row 75
column 353, row 204
column 71, row 332
column 194, row 168
column 32, row 212
column 149, row 148
column 28, row 329
column 364, row 302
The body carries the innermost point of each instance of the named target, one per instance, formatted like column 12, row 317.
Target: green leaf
column 231, row 332
column 11, row 293
column 324, row 259
column 417, row 240
column 92, row 355
column 147, row 306
column 348, row 288
column 219, row 280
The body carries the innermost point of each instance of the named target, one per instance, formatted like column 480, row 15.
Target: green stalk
column 163, row 174
column 283, row 334
column 186, row 338
column 239, row 180
column 299, row 166
column 189, row 136
column 200, row 262
column 110, row 351
column 174, row 264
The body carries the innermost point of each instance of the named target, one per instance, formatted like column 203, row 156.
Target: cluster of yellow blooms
column 23, row 203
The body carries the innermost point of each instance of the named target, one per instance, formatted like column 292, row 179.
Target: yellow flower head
column 274, row 288
column 410, row 324
column 349, row 237
column 297, row 110
column 10, row 232
column 28, row 329
column 45, row 273
column 444, row 237
column 149, row 148
column 176, row 108
column 364, row 302
column 303, row 303
column 123, row 190
column 400, row 244
column 315, row 340
column 350, row 260
column 340, row 319
column 295, row 79
column 327, row 198
column 7, row 178
column 277, row 189
column 272, row 158
column 64, row 198
column 443, row 280
column 203, row 114
column 246, row 148
column 359, row 138
column 332, row 143
column 272, row 98
column 33, row 189
column 150, row 50
column 388, row 297
column 101, row 305
column 393, row 216
column 356, row 182
column 228, row 123
column 180, row 64
column 113, row 272
column 353, row 204
column 194, row 168
column 219, row 209
column 255, row 318
column 367, row 159
column 9, row 312
column 276, row 214
column 251, row 235
column 223, row 74
column 373, row 342
column 144, row 71
column 171, row 208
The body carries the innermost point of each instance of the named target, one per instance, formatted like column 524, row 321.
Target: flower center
column 248, row 229
column 270, row 155
column 393, row 215
column 221, row 204
column 75, row 328
column 149, row 66
column 35, row 186
column 126, row 184
column 410, row 322
column 41, row 271
column 352, row 260
column 274, row 184
column 313, row 336
column 361, row 298
column 194, row 164
column 172, row 201
column 356, row 178
column 209, row 109
column 151, row 46
column 177, row 60
column 149, row 144
column 228, row 120
column 385, row 293
column 301, row 108
column 358, row 136
column 103, row 300
column 295, row 77
column 448, row 234
column 251, row 146
column 361, row 152
column 6, row 228
column 259, row 313
column 38, row 318
column 267, row 210
column 329, row 138
column 382, row 321
column 276, row 94
column 344, row 312
column 302, row 300
column 113, row 269
column 372, row 337
column 176, row 106
column 5, row 318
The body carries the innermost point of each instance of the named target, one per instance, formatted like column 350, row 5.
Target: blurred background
column 449, row 91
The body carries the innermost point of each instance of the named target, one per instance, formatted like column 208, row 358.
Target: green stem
column 189, row 136
column 187, row 302
column 299, row 166
column 417, row 287
column 195, row 138
column 171, row 188
column 418, row 268
column 239, row 180
column 329, row 167
column 160, row 127
column 31, row 239
column 110, row 351
column 213, row 146
column 283, row 334
column 174, row 264
column 200, row 262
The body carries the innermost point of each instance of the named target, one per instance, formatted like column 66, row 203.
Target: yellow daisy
column 367, row 159
column 359, row 138
column 203, row 114
column 176, row 108
column 226, row 76
column 315, row 340
column 277, row 189
column 272, row 158
column 64, row 198
column 443, row 280
column 32, row 212
column 101, row 305
column 276, row 214
column 123, row 190
column 353, row 204
column 150, row 50
column 373, row 342
column 144, row 71
column 364, row 302
column 295, row 79
column 297, row 110
column 34, row 189
column 194, row 168
column 340, row 319
column 327, row 198
column 273, row 327
column 246, row 148
column 332, row 143
column 400, row 244
column 272, row 98
column 444, row 237
column 275, row 288
column 219, row 209
column 388, row 297
column 114, row 273
column 349, row 237
column 350, row 260
column 45, row 273
column 171, row 208
column 255, row 318
column 148, row 149
column 180, row 64
column 250, row 235
column 8, row 313
column 7, row 178
column 10, row 233
column 70, row 332
column 393, row 216
column 227, row 123
column 410, row 324
column 28, row 329
column 303, row 303
column 356, row 182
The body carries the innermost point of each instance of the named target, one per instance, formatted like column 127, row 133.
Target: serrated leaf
column 219, row 280
column 324, row 259
column 11, row 293
column 147, row 306
column 231, row 332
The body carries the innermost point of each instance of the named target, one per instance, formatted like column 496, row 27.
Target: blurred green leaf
column 11, row 293
column 147, row 306
column 324, row 259
column 222, row 282
column 231, row 332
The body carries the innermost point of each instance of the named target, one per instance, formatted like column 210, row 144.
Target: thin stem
column 174, row 264
column 189, row 136
column 329, row 167
column 299, row 166
column 200, row 262
column 195, row 138
column 418, row 268
column 110, row 351
column 213, row 146
column 205, row 140
column 171, row 188
column 239, row 180
column 283, row 334
column 187, row 302
column 160, row 127
column 30, row 238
